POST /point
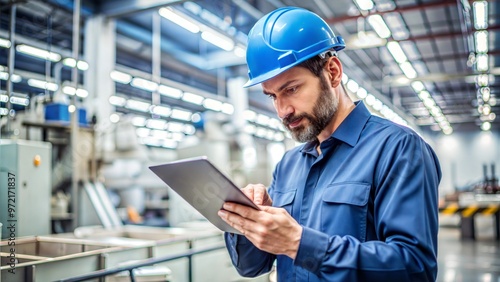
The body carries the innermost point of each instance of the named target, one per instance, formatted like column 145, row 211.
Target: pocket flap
column 283, row 198
column 347, row 193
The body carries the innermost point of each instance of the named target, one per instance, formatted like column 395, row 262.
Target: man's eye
column 272, row 97
column 291, row 90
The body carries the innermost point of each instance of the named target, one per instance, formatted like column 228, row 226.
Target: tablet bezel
column 203, row 186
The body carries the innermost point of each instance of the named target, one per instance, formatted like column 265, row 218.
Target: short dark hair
column 316, row 63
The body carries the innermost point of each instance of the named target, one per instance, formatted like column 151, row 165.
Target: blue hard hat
column 284, row 38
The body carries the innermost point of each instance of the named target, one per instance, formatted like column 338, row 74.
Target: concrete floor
column 468, row 260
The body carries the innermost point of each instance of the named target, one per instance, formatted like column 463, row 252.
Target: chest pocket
column 344, row 209
column 284, row 199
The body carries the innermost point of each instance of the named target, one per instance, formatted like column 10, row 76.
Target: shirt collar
column 349, row 130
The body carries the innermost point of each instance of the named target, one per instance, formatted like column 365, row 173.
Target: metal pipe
column 74, row 116
column 10, row 63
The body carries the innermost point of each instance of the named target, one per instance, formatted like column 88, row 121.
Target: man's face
column 310, row 106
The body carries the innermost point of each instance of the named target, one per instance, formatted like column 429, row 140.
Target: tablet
column 203, row 186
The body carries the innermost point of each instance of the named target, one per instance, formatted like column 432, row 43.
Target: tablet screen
column 203, row 186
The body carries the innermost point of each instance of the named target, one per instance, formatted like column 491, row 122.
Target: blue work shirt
column 367, row 205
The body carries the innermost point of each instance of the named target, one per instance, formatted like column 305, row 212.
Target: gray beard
column 324, row 110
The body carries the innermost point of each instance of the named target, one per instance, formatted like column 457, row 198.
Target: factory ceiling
column 436, row 64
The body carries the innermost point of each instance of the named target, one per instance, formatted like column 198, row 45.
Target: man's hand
column 258, row 194
column 270, row 229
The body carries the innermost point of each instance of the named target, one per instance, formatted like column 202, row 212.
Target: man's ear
column 334, row 71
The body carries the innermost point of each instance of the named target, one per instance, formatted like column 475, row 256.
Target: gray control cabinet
column 25, row 188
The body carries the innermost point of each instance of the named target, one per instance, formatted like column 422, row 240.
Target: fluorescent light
column 481, row 39
column 156, row 124
column 170, row 91
column 4, row 43
column 139, row 121
column 69, row 90
column 181, row 114
column 345, row 78
column 70, row 62
column 378, row 24
column 417, row 86
column 144, row 84
column 189, row 129
column 364, row 4
column 486, row 93
column 429, row 102
column 218, row 40
column 408, row 70
column 370, row 99
column 4, row 98
column 486, row 126
column 262, row 120
column 114, row 118
column 250, row 129
column 227, row 108
column 361, row 93
column 397, row 52
column 192, row 98
column 4, row 112
column 142, row 132
column 138, row 105
column 377, row 105
column 175, row 127
column 482, row 62
column 448, row 130
column 171, row 144
column 42, row 84
column 212, row 104
column 39, row 53
column 15, row 77
column 161, row 134
column 180, row 20
column 19, row 100
column 249, row 115
column 424, row 95
column 161, row 111
column 480, row 14
column 82, row 93
column 117, row 101
column 352, row 85
column 240, row 51
column 483, row 80
column 120, row 77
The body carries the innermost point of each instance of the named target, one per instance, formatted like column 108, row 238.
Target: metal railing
column 130, row 268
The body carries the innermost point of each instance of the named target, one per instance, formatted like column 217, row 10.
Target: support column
column 100, row 53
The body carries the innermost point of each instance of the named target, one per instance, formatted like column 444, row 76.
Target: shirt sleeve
column 255, row 262
column 405, row 215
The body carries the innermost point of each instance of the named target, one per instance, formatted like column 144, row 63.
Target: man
column 357, row 201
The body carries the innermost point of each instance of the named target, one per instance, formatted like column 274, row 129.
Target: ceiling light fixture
column 482, row 62
column 408, row 70
column 193, row 98
column 144, row 84
column 181, row 114
column 481, row 40
column 397, row 52
column 180, row 20
column 480, row 14
column 120, row 77
column 379, row 25
column 365, row 5
column 218, row 40
column 4, row 43
column 39, row 53
column 170, row 91
column 42, row 84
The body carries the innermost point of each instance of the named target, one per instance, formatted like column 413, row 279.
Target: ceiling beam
column 418, row 7
column 122, row 8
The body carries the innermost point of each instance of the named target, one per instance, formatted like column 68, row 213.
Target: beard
column 323, row 111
